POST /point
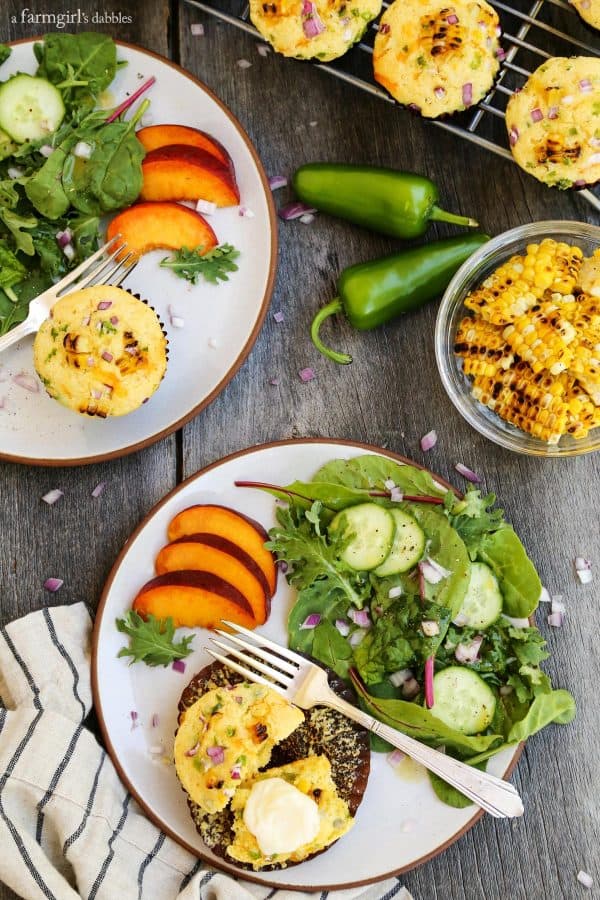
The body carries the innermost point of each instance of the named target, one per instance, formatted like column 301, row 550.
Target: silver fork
column 93, row 270
column 305, row 684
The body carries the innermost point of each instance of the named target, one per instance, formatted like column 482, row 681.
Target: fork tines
column 282, row 665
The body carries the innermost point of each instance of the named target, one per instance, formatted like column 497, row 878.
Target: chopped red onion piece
column 307, row 218
column 384, row 28
column 134, row 719
column 63, row 238
column 585, row 576
column 53, row 584
column 581, row 182
column 389, row 484
column 178, row 666
column 429, row 440
column 99, row 489
column 306, row 374
column 429, row 573
column 401, row 677
column 343, row 627
column 216, row 754
column 104, row 304
column 69, row 252
column 429, row 666
column 583, row 877
column 279, row 317
column 395, row 758
column 585, row 86
column 96, row 394
column 294, row 211
column 557, row 605
column 544, row 596
column 513, row 136
column 46, row 150
column 311, row 621
column 395, row 592
column 396, row 495
column 467, row 473
column 114, row 320
column 106, row 356
column 467, row 653
column 86, row 321
column 467, row 94
column 583, row 569
column 133, row 351
column 155, row 720
column 582, row 563
column 14, row 172
column 410, row 688
column 444, row 573
column 236, row 771
column 52, row 496
column 536, row 115
column 460, row 620
column 556, row 619
column 206, row 207
column 360, row 617
column 357, row 636
column 277, row 181
column 430, row 628
column 500, row 54
column 243, row 63
column 193, row 750
column 274, row 382
column 440, row 93
column 263, row 49
column 452, row 19
column 553, row 112
column 212, row 343
column 197, row 29
column 245, row 213
column 82, row 150
column 311, row 23
column 27, row 381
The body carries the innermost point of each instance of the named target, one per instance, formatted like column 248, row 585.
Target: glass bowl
column 452, row 309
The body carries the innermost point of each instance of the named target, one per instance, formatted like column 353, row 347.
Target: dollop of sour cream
column 280, row 817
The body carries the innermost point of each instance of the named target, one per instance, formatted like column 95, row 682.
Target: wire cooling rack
column 531, row 32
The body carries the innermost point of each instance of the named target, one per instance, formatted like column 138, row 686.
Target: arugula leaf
column 152, row 640
column 8, row 193
column 80, row 65
column 11, row 270
column 213, row 266
column 473, row 518
column 5, row 52
column 19, row 226
column 519, row 582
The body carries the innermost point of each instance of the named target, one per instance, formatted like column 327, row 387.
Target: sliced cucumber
column 463, row 700
column 371, row 532
column 483, row 601
column 407, row 546
column 7, row 145
column 30, row 108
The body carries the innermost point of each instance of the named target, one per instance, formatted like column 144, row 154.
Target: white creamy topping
column 280, row 817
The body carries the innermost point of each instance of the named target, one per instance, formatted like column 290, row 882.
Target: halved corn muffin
column 589, row 10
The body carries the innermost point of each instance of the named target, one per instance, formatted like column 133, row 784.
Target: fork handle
column 19, row 331
column 496, row 796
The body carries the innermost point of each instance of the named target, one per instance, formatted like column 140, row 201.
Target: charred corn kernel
column 589, row 275
column 542, row 337
column 501, row 299
column 552, row 266
column 482, row 347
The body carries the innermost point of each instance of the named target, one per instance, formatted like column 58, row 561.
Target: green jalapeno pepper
column 400, row 204
column 374, row 292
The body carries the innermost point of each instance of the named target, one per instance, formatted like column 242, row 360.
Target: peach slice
column 168, row 225
column 155, row 136
column 179, row 172
column 194, row 600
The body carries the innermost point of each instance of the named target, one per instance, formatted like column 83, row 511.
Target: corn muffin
column 435, row 57
column 554, row 122
column 102, row 352
column 589, row 10
column 313, row 29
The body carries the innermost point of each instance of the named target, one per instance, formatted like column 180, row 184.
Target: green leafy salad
column 63, row 164
column 421, row 599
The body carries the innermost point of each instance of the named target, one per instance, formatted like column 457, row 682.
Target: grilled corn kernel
column 589, row 275
column 542, row 338
column 482, row 347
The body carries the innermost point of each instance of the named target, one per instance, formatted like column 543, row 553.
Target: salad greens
column 46, row 188
column 214, row 266
column 368, row 628
column 152, row 640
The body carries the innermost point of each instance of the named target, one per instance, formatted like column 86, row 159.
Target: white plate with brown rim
column 400, row 823
column 221, row 321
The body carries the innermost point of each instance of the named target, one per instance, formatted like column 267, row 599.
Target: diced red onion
column 52, row 496
column 27, row 381
column 467, row 94
column 133, row 351
column 583, row 569
column 583, row 877
column 83, row 150
column 90, row 361
column 311, row 23
column 236, row 772
column 585, row 86
column 134, row 719
column 206, row 207
column 306, row 374
column 395, row 758
column 307, row 218
column 104, row 304
column 414, row 107
column 557, row 605
column 69, row 252
column 429, row 665
column 395, row 592
column 155, row 720
column 311, row 621
column 216, row 754
column 106, row 356
column 14, row 172
column 212, row 343
column 513, row 136
column 581, row 182
column 357, row 636
column 63, row 238
column 294, row 211
column 401, row 677
column 343, row 627
column 279, row 317
column 500, row 54
column 429, row 573
column 360, row 617
column 410, row 688
column 536, row 115
column 98, row 490
column 178, row 666
column 460, row 620
column 445, row 573
column 467, row 653
column 277, row 181
column 197, row 29
column 556, row 619
column 439, row 92
column 430, row 628
column 283, row 566
column 389, row 484
column 46, row 150
column 429, row 440
column 553, row 112
column 245, row 213
column 53, row 584
column 243, row 63
column 263, row 49
column 114, row 320
column 193, row 750
column 384, row 28
column 452, row 19
column 396, row 495
column 544, row 596
column 175, row 320
column 96, row 394
column 467, row 473
column 274, row 382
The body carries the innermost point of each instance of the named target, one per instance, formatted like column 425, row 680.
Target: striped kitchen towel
column 68, row 827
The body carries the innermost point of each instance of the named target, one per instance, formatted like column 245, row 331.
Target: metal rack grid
column 523, row 32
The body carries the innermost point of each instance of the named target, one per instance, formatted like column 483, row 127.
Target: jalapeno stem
column 335, row 306
column 440, row 215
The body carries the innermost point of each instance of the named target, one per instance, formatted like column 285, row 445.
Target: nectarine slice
column 192, row 555
column 179, row 172
column 168, row 225
column 230, row 524
column 194, row 600
column 154, row 136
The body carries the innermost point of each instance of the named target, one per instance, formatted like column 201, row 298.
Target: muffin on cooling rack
column 589, row 10
column 313, row 29
column 553, row 123
column 436, row 57
column 102, row 352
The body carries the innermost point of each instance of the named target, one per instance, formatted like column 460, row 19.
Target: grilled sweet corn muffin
column 313, row 29
column 102, row 352
column 554, row 122
column 589, row 10
column 436, row 56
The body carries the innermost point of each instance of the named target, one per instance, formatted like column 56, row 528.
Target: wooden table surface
column 390, row 396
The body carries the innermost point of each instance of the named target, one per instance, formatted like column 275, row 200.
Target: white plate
column 400, row 822
column 221, row 322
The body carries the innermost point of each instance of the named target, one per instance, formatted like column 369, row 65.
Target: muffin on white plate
column 102, row 352
column 436, row 57
column 553, row 123
column 313, row 29
column 589, row 10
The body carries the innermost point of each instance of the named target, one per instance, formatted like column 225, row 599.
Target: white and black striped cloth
column 68, row 827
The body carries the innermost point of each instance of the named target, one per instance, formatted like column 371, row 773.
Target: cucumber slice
column 30, row 108
column 483, row 601
column 463, row 700
column 371, row 529
column 7, row 146
column 407, row 546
